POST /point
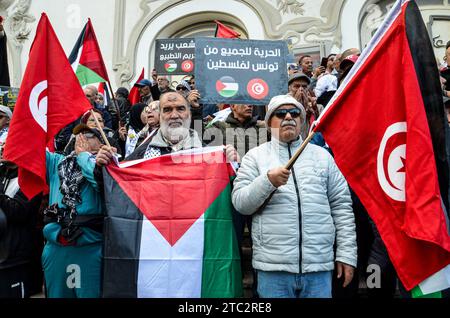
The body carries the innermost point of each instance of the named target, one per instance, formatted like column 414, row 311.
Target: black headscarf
column 135, row 116
column 123, row 92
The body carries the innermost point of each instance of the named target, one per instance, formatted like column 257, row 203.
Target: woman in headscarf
column 143, row 121
column 72, row 255
column 89, row 120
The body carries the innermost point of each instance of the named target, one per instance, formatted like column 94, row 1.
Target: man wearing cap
column 145, row 91
column 72, row 255
column 298, row 88
column 294, row 232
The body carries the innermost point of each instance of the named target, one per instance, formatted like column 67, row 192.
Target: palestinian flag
column 170, row 66
column 169, row 228
column 227, row 87
column 392, row 152
column 86, row 58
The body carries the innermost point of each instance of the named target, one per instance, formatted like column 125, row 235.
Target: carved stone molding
column 17, row 26
column 301, row 28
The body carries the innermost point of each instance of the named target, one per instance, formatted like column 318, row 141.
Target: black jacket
column 18, row 238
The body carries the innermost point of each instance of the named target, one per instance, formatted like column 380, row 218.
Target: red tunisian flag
column 392, row 150
column 45, row 105
column 134, row 97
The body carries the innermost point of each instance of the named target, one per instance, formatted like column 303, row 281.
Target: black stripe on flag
column 430, row 86
column 74, row 54
column 122, row 232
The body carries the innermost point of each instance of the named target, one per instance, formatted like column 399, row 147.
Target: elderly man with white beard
column 173, row 135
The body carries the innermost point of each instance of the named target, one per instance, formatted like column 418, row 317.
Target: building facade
column 126, row 30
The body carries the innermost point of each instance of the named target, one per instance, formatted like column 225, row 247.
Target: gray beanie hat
column 281, row 100
column 6, row 110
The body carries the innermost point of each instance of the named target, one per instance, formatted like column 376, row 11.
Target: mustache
column 290, row 122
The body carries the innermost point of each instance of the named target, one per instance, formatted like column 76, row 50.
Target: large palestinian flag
column 392, row 151
column 169, row 230
column 86, row 58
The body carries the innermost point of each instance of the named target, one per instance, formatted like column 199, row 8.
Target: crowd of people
column 310, row 238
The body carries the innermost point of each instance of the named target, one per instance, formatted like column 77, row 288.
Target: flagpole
column 114, row 102
column 288, row 166
column 297, row 154
column 100, row 129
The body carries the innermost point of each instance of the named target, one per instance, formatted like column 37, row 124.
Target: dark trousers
column 15, row 282
column 239, row 223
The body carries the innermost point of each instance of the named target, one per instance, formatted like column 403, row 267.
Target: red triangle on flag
column 220, row 86
column 172, row 195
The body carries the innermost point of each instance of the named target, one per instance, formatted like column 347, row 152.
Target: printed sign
column 8, row 96
column 175, row 56
column 233, row 71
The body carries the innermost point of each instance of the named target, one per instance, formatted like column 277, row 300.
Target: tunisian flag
column 392, row 150
column 45, row 105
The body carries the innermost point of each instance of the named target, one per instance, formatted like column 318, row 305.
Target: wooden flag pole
column 288, row 166
column 297, row 154
column 100, row 129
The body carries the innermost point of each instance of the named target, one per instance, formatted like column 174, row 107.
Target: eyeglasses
column 181, row 88
column 281, row 113
column 149, row 109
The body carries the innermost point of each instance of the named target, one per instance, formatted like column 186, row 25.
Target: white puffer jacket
column 325, row 205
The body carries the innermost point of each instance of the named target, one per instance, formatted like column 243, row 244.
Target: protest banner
column 175, row 56
column 233, row 71
column 8, row 96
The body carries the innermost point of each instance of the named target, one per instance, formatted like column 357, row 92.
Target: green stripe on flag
column 87, row 76
column 417, row 293
column 221, row 261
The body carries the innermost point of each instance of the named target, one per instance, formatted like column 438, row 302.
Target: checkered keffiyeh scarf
column 71, row 178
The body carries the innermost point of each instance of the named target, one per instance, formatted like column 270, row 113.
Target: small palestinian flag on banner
column 171, row 66
column 169, row 228
column 86, row 58
column 227, row 87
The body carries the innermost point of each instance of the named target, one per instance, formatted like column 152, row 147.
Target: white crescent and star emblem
column 38, row 107
column 392, row 176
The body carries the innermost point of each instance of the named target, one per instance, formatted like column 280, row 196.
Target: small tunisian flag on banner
column 392, row 150
column 223, row 31
column 44, row 106
column 134, row 97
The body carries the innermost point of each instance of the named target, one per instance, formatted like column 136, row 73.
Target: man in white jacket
column 294, row 233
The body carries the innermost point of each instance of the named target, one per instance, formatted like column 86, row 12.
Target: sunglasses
column 281, row 113
column 181, row 88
